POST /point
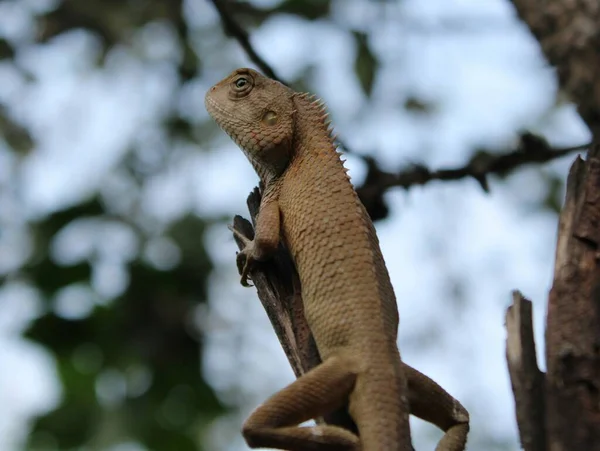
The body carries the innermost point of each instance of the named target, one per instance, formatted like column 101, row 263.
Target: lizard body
column 349, row 303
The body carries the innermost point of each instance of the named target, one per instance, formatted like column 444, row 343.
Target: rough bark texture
column 526, row 379
column 573, row 324
column 569, row 34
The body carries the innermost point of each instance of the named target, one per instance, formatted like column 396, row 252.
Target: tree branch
column 532, row 149
column 235, row 30
column 526, row 379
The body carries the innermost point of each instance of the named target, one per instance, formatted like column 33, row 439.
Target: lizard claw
column 244, row 262
column 244, row 259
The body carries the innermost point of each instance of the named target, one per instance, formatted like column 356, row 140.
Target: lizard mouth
column 212, row 106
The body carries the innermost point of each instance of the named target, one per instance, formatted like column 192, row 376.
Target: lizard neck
column 311, row 142
column 312, row 132
column 266, row 173
column 272, row 162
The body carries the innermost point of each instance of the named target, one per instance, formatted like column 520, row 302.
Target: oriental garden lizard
column 349, row 305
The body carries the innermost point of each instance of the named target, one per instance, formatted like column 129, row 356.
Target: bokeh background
column 122, row 323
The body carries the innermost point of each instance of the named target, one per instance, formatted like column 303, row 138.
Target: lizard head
column 258, row 114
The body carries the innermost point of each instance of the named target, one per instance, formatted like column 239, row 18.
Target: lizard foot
column 245, row 258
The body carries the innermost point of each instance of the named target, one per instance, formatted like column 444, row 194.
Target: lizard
column 349, row 303
column 277, row 285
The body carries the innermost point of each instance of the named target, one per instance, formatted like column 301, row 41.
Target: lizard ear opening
column 270, row 118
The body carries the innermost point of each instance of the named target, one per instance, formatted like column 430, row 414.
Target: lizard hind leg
column 275, row 424
column 432, row 403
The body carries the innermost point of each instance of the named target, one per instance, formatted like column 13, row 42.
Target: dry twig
column 526, row 379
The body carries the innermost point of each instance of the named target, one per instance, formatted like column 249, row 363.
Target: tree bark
column 569, row 33
column 573, row 323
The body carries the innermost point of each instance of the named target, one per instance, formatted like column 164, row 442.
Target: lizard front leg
column 266, row 235
column 320, row 391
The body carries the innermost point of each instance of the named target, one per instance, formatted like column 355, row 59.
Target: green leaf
column 365, row 64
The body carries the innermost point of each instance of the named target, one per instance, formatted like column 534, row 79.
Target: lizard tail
column 379, row 406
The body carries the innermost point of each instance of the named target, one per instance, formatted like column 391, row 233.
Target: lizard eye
column 241, row 86
column 241, row 82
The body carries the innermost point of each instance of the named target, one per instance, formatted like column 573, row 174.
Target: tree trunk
column 573, row 323
column 569, row 35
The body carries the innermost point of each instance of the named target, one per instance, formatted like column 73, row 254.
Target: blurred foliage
column 136, row 357
column 16, row 136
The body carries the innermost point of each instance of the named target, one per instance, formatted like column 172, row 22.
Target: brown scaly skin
column 349, row 302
